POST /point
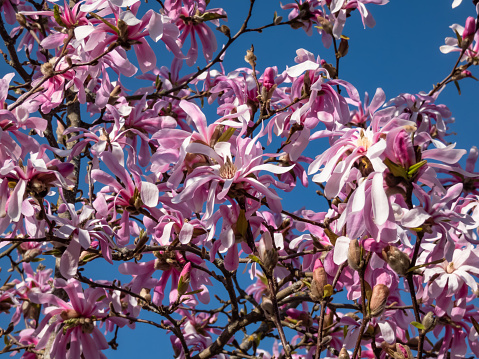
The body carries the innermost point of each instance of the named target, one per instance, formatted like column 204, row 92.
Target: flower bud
column 320, row 279
column 184, row 281
column 69, row 314
column 343, row 48
column 326, row 25
column 469, row 31
column 354, row 255
column 397, row 260
column 379, row 299
column 429, row 322
column 397, row 351
column 343, row 354
column 268, row 79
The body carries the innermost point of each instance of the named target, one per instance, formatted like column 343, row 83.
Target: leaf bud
column 379, row 298
column 31, row 254
column 397, row 260
column 250, row 58
column 354, row 255
column 21, row 19
column 326, row 340
column 429, row 322
column 267, row 253
column 268, row 307
column 225, row 30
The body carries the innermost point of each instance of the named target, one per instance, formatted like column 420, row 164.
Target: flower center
column 450, row 268
column 363, row 140
column 228, row 170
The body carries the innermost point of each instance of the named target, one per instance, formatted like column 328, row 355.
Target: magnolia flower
column 133, row 196
column 191, row 20
column 80, row 229
column 34, row 179
column 446, row 278
column 74, row 322
column 227, row 169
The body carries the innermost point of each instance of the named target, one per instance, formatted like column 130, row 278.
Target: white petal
column 341, row 250
column 380, row 201
column 297, row 70
column 129, row 18
column 83, row 31
column 149, row 194
column 155, row 27
column 387, row 332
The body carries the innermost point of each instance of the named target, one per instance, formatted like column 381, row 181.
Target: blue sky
column 401, row 54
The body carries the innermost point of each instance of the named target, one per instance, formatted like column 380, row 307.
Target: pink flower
column 446, row 279
column 230, row 173
column 56, row 84
column 170, row 264
column 81, row 230
column 131, row 32
column 132, row 196
column 74, row 322
column 34, row 180
column 191, row 20
column 39, row 281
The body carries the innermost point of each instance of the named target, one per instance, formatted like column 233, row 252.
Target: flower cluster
column 174, row 201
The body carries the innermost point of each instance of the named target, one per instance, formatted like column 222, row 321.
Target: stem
column 360, row 337
column 319, row 346
column 444, row 82
column 363, row 306
column 277, row 317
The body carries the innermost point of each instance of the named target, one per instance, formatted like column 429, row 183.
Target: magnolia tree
column 139, row 184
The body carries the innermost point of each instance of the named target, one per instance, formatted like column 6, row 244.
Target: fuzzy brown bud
column 31, row 254
column 397, row 260
column 429, row 322
column 325, row 24
column 21, row 19
column 270, row 259
column 68, row 59
column 354, row 255
column 320, row 279
column 268, row 307
column 47, row 68
column 343, row 354
column 379, row 298
column 397, row 351
column 225, row 30
column 343, row 48
column 250, row 58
